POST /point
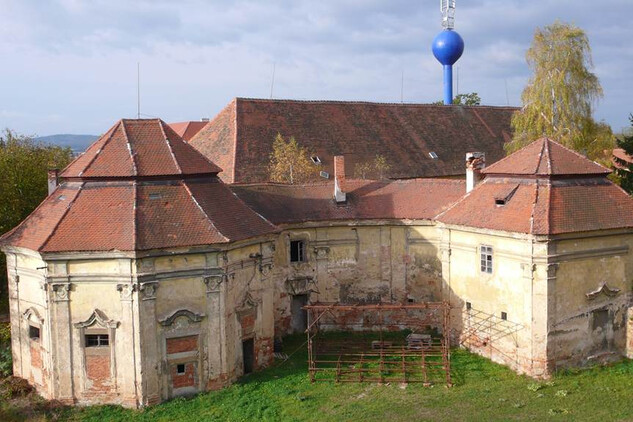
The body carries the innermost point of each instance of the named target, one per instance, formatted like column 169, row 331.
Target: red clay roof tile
column 240, row 137
column 545, row 157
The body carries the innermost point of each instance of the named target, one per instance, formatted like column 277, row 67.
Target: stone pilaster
column 63, row 352
column 216, row 334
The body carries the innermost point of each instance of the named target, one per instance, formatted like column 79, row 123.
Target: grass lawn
column 483, row 391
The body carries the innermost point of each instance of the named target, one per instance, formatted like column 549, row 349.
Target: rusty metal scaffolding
column 366, row 343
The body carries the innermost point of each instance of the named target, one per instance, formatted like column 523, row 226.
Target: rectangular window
column 504, row 316
column 34, row 333
column 486, row 259
column 469, row 306
column 97, row 340
column 297, row 251
column 180, row 368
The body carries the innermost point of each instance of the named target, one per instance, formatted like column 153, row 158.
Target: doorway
column 299, row 316
column 248, row 354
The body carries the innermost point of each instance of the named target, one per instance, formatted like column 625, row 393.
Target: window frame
column 101, row 342
column 32, row 328
column 486, row 261
column 301, row 252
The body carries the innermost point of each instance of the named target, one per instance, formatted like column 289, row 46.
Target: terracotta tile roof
column 396, row 199
column 107, row 204
column 545, row 157
column 240, row 137
column 187, row 130
column 569, row 194
column 622, row 155
column 544, row 207
column 139, row 148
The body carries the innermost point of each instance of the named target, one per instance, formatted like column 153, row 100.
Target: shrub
column 6, row 360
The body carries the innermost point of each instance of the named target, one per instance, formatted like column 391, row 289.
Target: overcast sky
column 69, row 66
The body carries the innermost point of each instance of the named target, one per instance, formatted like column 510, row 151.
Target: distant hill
column 78, row 143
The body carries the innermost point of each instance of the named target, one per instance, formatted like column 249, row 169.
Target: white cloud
column 77, row 59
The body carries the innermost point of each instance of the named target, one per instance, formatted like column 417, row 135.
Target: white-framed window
column 297, row 251
column 486, row 259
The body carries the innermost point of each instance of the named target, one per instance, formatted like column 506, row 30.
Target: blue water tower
column 448, row 47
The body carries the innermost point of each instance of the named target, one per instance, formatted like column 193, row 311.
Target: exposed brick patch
column 36, row 355
column 98, row 368
column 187, row 379
column 248, row 323
column 182, row 344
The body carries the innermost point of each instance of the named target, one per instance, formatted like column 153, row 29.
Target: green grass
column 483, row 391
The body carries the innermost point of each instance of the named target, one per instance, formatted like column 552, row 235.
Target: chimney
column 475, row 163
column 53, row 180
column 339, row 179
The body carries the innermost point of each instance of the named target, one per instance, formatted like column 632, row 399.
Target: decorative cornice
column 97, row 317
column 603, row 289
column 193, row 317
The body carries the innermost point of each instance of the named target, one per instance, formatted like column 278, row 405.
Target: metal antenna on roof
column 402, row 88
column 507, row 96
column 272, row 82
column 138, row 90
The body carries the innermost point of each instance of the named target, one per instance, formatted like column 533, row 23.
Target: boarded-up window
column 182, row 344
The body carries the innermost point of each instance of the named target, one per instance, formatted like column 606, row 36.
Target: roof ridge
column 195, row 201
column 105, row 143
column 129, row 147
column 171, row 150
column 61, row 219
column 290, row 100
column 579, row 155
column 134, row 214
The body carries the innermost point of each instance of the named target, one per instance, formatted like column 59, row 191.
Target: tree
column 558, row 100
column 378, row 168
column 23, row 185
column 470, row 99
column 382, row 166
column 289, row 162
column 624, row 168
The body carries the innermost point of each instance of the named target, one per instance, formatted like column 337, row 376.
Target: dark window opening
column 500, row 201
column 97, row 340
column 297, row 251
column 248, row 355
column 468, row 306
column 486, row 259
column 299, row 316
column 34, row 333
column 504, row 316
column 180, row 368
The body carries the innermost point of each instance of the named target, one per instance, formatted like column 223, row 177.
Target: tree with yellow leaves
column 558, row 100
column 289, row 162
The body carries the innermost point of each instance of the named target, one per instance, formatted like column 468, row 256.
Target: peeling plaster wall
column 589, row 299
column 358, row 263
column 510, row 289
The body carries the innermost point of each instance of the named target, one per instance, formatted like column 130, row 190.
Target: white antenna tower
column 447, row 7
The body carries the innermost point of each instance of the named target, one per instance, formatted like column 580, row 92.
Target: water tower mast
column 448, row 47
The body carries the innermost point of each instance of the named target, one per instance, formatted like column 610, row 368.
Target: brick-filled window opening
column 180, row 369
column 297, row 251
column 34, row 333
column 97, row 340
column 486, row 259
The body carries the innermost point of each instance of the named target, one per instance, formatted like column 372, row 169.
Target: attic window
column 324, row 174
column 315, row 159
column 433, row 155
column 504, row 316
column 155, row 196
column 503, row 197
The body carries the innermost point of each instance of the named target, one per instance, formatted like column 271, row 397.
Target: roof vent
column 324, row 174
column 433, row 155
column 155, row 196
column 500, row 201
column 204, row 119
column 315, row 159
